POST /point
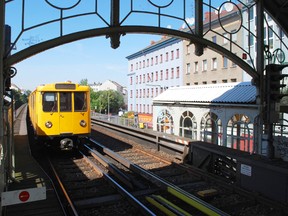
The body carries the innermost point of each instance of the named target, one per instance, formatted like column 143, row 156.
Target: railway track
column 125, row 180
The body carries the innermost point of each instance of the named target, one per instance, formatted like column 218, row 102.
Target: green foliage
column 84, row 82
column 100, row 99
column 20, row 98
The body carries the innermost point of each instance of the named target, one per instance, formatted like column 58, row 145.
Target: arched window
column 165, row 122
column 211, row 129
column 188, row 125
column 240, row 133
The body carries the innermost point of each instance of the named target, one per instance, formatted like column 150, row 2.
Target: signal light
column 273, row 93
column 273, row 81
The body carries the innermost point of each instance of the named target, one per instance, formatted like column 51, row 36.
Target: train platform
column 31, row 191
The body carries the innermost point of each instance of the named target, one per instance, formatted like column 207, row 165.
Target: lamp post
column 108, row 107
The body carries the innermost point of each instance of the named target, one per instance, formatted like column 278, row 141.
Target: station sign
column 23, row 196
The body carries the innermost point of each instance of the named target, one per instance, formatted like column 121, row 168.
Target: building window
column 152, row 76
column 131, row 80
column 251, row 39
column 172, row 55
column 204, row 65
column 177, row 72
column 131, row 67
column 152, row 92
column 156, row 92
column 196, row 67
column 167, row 74
column 188, row 125
column 137, row 93
column 136, row 79
column 156, row 60
column 144, row 93
column 234, row 35
column 140, row 79
column 270, row 36
column 204, row 83
column 140, row 93
column 147, row 93
column 234, row 80
column 251, row 14
column 172, row 73
column 214, row 39
column 224, row 81
column 177, row 53
column 161, row 75
column 161, row 58
column 147, row 62
column 187, row 49
column 167, row 55
column 214, row 63
column 148, row 78
column 225, row 62
column 152, row 61
column 144, row 78
column 156, row 76
column 225, row 38
column 188, row 69
column 136, row 65
column 131, row 93
column 143, row 63
column 140, row 65
column 214, row 81
column 195, row 83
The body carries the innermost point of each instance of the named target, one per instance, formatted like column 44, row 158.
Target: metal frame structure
column 122, row 21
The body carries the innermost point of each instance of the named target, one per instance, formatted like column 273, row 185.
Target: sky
column 92, row 59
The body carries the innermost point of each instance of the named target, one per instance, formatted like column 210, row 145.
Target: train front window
column 80, row 101
column 49, row 102
column 65, row 102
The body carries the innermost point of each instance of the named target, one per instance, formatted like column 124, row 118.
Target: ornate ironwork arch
column 115, row 18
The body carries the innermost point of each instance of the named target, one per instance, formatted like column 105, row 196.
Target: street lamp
column 108, row 107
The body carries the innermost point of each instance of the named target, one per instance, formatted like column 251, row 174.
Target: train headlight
column 48, row 124
column 83, row 123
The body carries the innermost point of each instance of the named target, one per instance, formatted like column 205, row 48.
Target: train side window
column 49, row 102
column 65, row 102
column 80, row 101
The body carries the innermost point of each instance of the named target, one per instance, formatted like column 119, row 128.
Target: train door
column 65, row 115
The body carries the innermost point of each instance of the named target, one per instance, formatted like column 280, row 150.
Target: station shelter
column 224, row 114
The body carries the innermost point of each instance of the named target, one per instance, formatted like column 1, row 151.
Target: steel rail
column 112, row 168
column 173, row 189
column 119, row 188
column 71, row 205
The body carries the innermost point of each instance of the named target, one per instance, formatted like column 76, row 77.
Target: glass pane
column 49, row 102
column 65, row 102
column 80, row 101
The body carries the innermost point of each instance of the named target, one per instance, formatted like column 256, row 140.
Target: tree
column 20, row 98
column 102, row 98
column 84, row 82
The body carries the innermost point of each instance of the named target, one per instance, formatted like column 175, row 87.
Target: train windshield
column 65, row 102
column 80, row 101
column 50, row 102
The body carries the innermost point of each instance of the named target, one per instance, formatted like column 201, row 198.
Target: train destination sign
column 23, row 196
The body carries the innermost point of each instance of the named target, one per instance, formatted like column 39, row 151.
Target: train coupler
column 66, row 144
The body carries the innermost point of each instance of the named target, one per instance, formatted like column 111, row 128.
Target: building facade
column 153, row 70
column 171, row 62
column 212, row 67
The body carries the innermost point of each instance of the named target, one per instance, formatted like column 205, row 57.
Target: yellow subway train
column 60, row 113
